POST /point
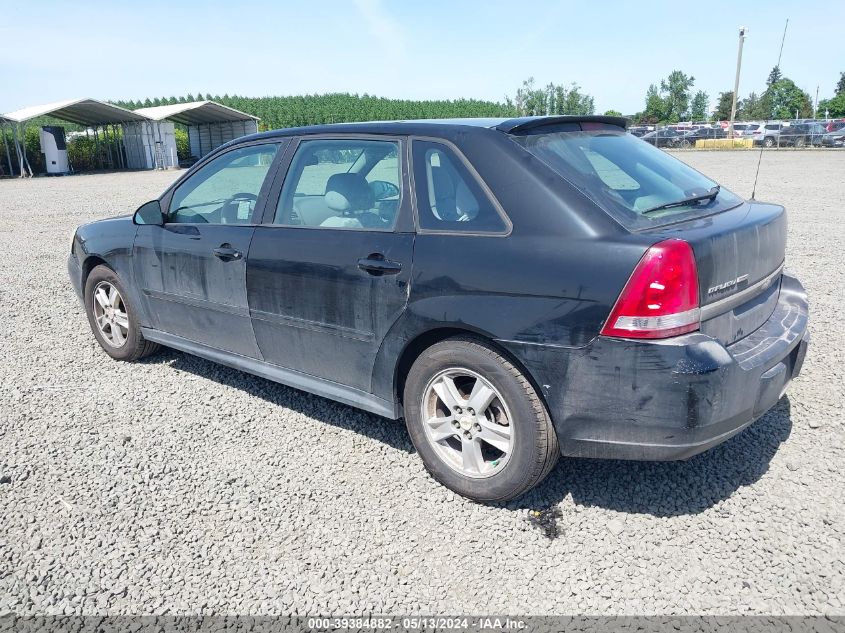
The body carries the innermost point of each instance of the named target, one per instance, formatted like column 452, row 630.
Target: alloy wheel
column 110, row 314
column 467, row 422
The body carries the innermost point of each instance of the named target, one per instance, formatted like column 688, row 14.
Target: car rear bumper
column 668, row 400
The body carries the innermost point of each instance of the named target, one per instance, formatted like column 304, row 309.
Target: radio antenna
column 760, row 156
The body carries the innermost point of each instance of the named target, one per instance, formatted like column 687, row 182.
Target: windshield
column 627, row 177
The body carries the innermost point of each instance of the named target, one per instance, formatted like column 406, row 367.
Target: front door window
column 225, row 190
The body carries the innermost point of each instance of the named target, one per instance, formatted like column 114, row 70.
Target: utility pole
column 816, row 104
column 742, row 32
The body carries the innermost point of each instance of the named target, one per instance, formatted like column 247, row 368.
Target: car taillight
column 661, row 297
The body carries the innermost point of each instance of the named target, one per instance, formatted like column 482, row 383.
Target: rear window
column 628, row 178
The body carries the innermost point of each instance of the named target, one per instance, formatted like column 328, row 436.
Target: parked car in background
column 516, row 289
column 639, row 130
column 766, row 134
column 835, row 138
column 833, row 126
column 664, row 137
column 801, row 135
column 688, row 139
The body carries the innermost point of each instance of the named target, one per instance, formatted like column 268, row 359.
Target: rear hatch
column 739, row 255
column 738, row 245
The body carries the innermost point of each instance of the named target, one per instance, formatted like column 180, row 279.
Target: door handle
column 377, row 265
column 227, row 253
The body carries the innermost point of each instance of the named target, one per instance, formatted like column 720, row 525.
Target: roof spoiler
column 523, row 124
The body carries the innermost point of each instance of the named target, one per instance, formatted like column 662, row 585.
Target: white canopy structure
column 102, row 119
column 88, row 112
column 147, row 136
column 210, row 124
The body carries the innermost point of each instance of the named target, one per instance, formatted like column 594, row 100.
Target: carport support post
column 97, row 148
column 18, row 150
column 21, row 147
column 108, row 145
column 119, row 141
column 6, row 144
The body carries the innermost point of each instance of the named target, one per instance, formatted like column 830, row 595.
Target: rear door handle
column 227, row 253
column 377, row 265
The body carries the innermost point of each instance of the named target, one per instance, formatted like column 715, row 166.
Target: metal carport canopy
column 195, row 113
column 79, row 111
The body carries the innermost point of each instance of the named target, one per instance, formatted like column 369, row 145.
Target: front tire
column 112, row 318
column 477, row 422
column 768, row 142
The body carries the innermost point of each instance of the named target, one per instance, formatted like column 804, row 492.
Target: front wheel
column 477, row 422
column 768, row 142
column 112, row 318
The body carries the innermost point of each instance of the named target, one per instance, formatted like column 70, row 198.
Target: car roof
column 438, row 127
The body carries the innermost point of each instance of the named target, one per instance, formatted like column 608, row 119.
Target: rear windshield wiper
column 710, row 195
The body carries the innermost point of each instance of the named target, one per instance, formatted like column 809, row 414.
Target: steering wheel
column 229, row 210
column 242, row 195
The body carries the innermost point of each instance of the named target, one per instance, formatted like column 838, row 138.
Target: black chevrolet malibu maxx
column 515, row 289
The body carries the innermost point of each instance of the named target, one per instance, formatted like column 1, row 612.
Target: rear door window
column 342, row 184
column 449, row 197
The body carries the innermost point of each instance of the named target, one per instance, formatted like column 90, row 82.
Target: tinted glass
column 342, row 184
column 225, row 190
column 449, row 198
column 626, row 177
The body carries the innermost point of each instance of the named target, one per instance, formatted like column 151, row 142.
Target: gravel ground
column 179, row 486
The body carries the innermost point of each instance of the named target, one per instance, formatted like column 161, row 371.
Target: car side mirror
column 149, row 213
column 383, row 190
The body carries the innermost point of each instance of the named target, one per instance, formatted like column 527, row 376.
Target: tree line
column 293, row 111
column 673, row 100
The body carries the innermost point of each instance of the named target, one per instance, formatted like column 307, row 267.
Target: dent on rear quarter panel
column 529, row 294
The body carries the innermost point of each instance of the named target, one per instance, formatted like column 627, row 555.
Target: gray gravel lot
column 178, row 486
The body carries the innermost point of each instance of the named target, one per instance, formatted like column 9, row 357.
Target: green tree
column 840, row 85
column 530, row 101
column 834, row 107
column 774, row 76
column 751, row 108
column 654, row 106
column 698, row 108
column 577, row 102
column 612, row 113
column 723, row 106
column 675, row 92
column 783, row 100
column 552, row 99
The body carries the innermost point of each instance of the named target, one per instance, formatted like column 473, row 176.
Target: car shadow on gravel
column 323, row 410
column 661, row 489
column 666, row 489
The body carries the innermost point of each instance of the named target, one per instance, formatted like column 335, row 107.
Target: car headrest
column 348, row 192
column 444, row 186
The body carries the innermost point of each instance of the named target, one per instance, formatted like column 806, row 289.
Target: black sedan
column 515, row 289
column 688, row 139
column 663, row 138
column 834, row 139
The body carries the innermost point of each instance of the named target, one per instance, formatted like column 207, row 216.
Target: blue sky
column 51, row 50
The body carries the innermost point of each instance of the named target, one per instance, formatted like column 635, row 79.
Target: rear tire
column 800, row 143
column 768, row 142
column 112, row 318
column 477, row 421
